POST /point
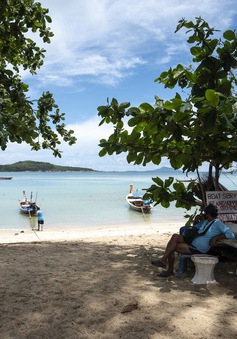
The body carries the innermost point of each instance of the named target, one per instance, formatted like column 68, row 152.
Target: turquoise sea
column 77, row 199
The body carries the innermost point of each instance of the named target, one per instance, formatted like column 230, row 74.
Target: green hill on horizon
column 38, row 166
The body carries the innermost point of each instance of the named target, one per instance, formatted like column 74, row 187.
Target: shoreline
column 8, row 236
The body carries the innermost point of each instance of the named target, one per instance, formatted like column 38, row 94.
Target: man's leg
column 180, row 248
column 170, row 269
column 172, row 244
column 174, row 241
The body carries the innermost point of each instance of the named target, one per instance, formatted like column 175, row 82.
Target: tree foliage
column 22, row 119
column 194, row 127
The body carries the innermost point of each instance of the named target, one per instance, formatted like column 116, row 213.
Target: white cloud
column 97, row 66
column 85, row 152
column 106, row 39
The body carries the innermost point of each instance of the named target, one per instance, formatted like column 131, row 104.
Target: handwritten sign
column 226, row 202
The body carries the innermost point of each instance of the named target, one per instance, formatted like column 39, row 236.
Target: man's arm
column 214, row 240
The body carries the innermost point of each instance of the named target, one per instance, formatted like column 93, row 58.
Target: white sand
column 19, row 236
column 78, row 283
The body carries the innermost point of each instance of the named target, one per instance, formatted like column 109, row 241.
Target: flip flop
column 158, row 263
column 164, row 274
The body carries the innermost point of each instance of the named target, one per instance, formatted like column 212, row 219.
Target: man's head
column 211, row 210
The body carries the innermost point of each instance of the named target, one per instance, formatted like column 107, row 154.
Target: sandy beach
column 99, row 283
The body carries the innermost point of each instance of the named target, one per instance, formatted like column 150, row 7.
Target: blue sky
column 111, row 48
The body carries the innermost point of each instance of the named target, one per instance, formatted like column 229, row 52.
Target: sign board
column 226, row 202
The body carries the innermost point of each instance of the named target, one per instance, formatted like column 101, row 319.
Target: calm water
column 74, row 200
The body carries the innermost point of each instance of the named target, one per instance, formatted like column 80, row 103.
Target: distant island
column 37, row 166
column 164, row 169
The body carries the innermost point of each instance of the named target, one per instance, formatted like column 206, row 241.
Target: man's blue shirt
column 202, row 243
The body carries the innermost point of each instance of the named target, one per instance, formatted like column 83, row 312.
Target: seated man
column 201, row 244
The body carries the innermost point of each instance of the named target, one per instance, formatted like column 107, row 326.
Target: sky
column 110, row 49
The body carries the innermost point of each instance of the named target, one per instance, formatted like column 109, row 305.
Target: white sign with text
column 226, row 202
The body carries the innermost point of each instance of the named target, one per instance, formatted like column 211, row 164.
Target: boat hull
column 29, row 208
column 138, row 204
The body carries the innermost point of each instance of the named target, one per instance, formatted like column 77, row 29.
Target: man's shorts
column 41, row 222
column 194, row 250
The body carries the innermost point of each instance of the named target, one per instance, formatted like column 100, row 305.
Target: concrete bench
column 204, row 268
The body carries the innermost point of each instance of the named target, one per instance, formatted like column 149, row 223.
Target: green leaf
column 196, row 51
column 165, row 204
column 169, row 105
column 229, row 35
column 139, row 159
column 158, row 181
column 124, row 105
column 209, row 120
column 146, row 107
column 120, row 125
column 134, row 136
column 156, row 159
column 131, row 157
column 133, row 111
column 48, row 18
column 114, row 103
column 212, row 97
column 133, row 121
column 226, row 122
column 168, row 182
